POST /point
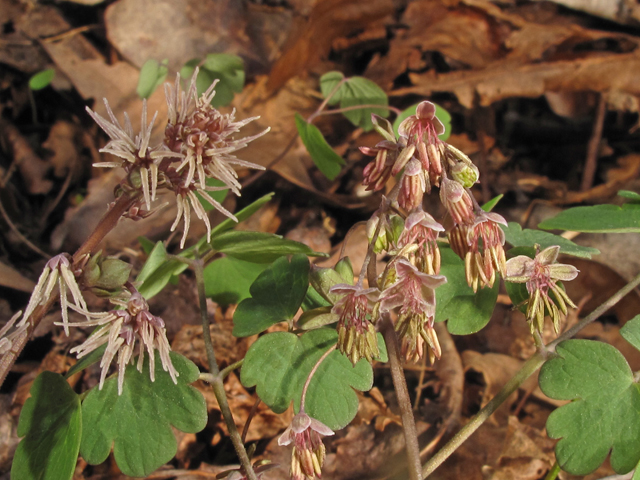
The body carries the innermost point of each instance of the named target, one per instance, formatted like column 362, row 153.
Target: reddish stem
column 107, row 223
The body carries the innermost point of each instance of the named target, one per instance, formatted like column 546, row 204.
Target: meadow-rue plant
column 327, row 351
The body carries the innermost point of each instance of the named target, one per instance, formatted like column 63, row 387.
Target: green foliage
column 325, row 158
column 51, row 422
column 158, row 270
column 603, row 415
column 246, row 212
column 633, row 196
column 490, row 205
column 152, row 74
column 518, row 237
column 317, row 318
column 279, row 363
column 258, row 247
column 631, row 332
column 441, row 113
column 138, row 423
column 227, row 279
column 227, row 68
column 42, row 79
column 466, row 312
column 355, row 91
column 86, row 361
column 597, row 219
column 276, row 296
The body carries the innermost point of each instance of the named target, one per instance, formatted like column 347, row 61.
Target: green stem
column 227, row 370
column 402, row 394
column 530, row 366
column 216, row 379
column 326, row 100
column 395, row 110
column 553, row 473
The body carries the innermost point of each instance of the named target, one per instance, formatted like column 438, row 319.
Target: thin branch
column 217, row 381
column 402, row 394
column 591, row 162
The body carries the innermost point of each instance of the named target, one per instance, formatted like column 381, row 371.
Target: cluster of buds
column 541, row 275
column 198, row 145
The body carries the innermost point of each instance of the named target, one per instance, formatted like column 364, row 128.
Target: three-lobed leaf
column 325, row 158
column 519, row 237
column 278, row 365
column 604, row 415
column 137, row 424
column 276, row 296
column 466, row 312
column 354, row 91
column 51, row 423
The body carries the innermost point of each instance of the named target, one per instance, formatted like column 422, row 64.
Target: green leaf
column 42, row 79
column 355, row 91
column 441, row 113
column 314, row 300
column 152, row 74
column 158, row 271
column 631, row 332
column 227, row 279
column 518, row 237
column 138, row 423
column 487, row 207
column 229, row 70
column 465, row 311
column 276, row 296
column 325, row 158
column 278, row 365
column 218, row 195
column 633, row 196
column 51, row 422
column 146, row 244
column 246, row 212
column 316, row 318
column 604, row 415
column 597, row 219
column 258, row 247
column 86, row 361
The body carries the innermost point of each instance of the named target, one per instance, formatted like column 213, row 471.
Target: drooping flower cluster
column 120, row 330
column 414, row 292
column 356, row 332
column 308, row 450
column 199, row 144
column 541, row 276
column 425, row 161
